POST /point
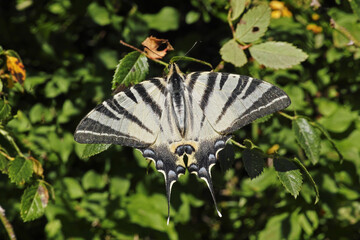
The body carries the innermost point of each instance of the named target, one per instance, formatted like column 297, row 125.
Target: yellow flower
column 273, row 149
column 276, row 14
column 315, row 28
column 276, row 5
column 315, row 16
column 279, row 10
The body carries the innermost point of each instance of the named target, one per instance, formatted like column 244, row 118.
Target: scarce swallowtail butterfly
column 192, row 115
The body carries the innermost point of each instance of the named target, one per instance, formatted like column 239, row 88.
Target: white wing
column 231, row 101
column 130, row 118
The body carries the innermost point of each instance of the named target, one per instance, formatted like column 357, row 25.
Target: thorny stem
column 140, row 51
column 11, row 140
column 9, row 229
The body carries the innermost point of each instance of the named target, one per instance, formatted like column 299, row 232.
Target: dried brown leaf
column 156, row 48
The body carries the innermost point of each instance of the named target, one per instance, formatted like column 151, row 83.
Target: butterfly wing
column 231, row 101
column 130, row 118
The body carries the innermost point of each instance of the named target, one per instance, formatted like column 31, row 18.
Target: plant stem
column 237, row 144
column 11, row 140
column 140, row 51
column 9, row 229
column 287, row 116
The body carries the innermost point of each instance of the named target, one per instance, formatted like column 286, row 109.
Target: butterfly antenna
column 192, row 47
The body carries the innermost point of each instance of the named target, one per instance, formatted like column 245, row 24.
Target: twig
column 237, row 144
column 7, row 225
column 287, row 116
column 140, row 51
column 11, row 140
column 230, row 23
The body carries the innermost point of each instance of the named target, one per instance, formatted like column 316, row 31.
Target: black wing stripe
column 193, row 78
column 159, row 85
column 273, row 100
column 113, row 104
column 224, row 78
column 104, row 110
column 130, row 94
column 91, row 126
column 148, row 99
column 251, row 88
column 236, row 91
column 208, row 90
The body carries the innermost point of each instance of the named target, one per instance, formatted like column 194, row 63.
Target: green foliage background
column 70, row 50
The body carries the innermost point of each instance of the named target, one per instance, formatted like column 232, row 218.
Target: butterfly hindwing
column 130, row 118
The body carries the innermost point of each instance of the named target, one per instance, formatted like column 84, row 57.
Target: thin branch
column 140, row 51
column 12, row 141
column 237, row 144
column 7, row 225
column 287, row 116
column 230, row 23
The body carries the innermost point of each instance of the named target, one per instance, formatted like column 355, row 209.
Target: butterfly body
column 192, row 115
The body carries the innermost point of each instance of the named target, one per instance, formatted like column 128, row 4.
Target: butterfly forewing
column 130, row 118
column 231, row 101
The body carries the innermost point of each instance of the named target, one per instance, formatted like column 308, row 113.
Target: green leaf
column 3, row 163
column 307, row 137
column 165, row 20
column 93, row 149
column 237, row 7
column 339, row 121
column 231, row 52
column 99, row 14
column 34, row 201
column 263, row 119
column 73, row 188
column 253, row 161
column 289, row 175
column 132, row 69
column 20, row 170
column 5, row 109
column 277, row 54
column 68, row 110
column 119, row 187
column 93, row 180
column 307, row 174
column 192, row 17
column 148, row 211
column 253, row 24
column 108, row 57
column 274, row 227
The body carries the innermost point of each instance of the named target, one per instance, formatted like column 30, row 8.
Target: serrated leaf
column 253, row 24
column 237, row 7
column 289, row 175
column 231, row 52
column 3, row 163
column 34, row 201
column 277, row 54
column 5, row 109
column 308, row 138
column 20, row 170
column 132, row 69
column 93, row 149
column 263, row 119
column 253, row 160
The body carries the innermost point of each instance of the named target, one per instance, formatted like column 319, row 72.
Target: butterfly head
column 174, row 71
